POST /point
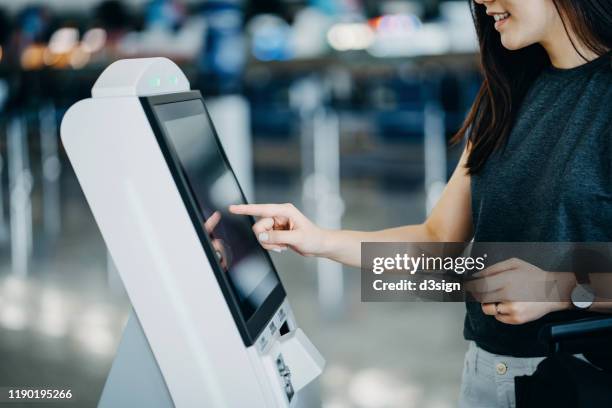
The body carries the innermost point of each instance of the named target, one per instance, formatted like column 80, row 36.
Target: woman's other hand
column 282, row 226
column 517, row 292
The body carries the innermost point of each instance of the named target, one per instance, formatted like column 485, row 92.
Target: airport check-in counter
column 206, row 296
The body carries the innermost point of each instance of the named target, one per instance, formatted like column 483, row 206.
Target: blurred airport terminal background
column 343, row 107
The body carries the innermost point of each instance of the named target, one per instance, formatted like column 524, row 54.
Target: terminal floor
column 60, row 326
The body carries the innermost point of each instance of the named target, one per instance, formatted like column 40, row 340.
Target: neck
column 566, row 53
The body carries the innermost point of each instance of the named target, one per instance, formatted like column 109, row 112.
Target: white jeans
column 488, row 379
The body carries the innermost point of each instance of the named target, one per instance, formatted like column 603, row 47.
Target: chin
column 511, row 44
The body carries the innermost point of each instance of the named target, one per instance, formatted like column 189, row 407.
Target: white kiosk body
column 209, row 301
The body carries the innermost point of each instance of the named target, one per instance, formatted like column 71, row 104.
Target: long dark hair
column 509, row 74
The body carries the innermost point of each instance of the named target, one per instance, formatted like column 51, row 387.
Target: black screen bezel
column 249, row 329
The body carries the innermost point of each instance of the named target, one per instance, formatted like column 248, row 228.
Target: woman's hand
column 517, row 292
column 519, row 312
column 283, row 226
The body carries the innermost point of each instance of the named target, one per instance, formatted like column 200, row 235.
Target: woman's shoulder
column 604, row 70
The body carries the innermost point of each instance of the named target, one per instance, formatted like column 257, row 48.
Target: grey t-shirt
column 551, row 183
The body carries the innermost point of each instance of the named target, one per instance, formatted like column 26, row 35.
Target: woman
column 536, row 169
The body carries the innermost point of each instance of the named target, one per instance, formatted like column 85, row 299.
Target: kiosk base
column 135, row 379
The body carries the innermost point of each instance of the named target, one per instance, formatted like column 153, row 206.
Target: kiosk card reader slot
column 208, row 306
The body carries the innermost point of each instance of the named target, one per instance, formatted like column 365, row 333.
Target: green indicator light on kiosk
column 155, row 81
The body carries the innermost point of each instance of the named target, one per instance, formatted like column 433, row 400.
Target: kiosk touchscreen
column 211, row 324
column 205, row 180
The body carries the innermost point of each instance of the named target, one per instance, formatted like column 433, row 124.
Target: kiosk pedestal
column 135, row 379
column 211, row 323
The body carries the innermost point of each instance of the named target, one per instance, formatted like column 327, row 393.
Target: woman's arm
column 516, row 292
column 449, row 221
column 282, row 225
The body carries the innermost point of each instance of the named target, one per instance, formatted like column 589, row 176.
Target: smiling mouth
column 501, row 17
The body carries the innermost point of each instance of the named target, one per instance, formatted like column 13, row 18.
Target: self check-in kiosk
column 211, row 325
